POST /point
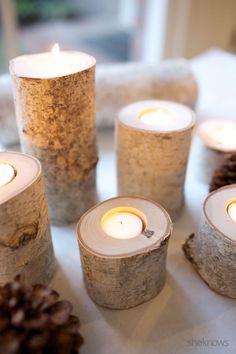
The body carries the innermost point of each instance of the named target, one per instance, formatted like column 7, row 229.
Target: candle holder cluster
column 123, row 241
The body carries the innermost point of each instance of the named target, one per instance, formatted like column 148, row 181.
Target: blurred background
column 117, row 30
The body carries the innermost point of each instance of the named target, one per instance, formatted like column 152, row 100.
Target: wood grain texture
column 125, row 280
column 213, row 255
column 25, row 238
column 56, row 121
column 117, row 85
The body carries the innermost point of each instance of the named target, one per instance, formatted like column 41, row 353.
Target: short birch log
column 122, row 273
column 56, row 121
column 152, row 161
column 212, row 251
column 25, row 238
column 118, row 85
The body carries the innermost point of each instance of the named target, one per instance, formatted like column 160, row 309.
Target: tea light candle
column 159, row 117
column 7, row 173
column 212, row 250
column 215, row 139
column 122, row 223
column 152, row 143
column 55, row 107
column 25, row 239
column 124, row 266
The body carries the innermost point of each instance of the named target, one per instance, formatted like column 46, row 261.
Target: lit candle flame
column 55, row 52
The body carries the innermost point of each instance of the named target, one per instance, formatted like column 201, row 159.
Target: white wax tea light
column 232, row 210
column 219, row 134
column 122, row 223
column 7, row 173
column 157, row 116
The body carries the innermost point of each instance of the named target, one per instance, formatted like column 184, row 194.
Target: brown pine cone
column 225, row 174
column 34, row 320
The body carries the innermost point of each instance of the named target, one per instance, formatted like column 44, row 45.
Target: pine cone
column 225, row 174
column 34, row 320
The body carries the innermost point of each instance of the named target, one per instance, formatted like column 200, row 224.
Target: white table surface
column 186, row 317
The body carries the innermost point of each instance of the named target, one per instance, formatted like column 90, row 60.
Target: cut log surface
column 152, row 162
column 25, row 238
column 212, row 251
column 122, row 273
column 118, row 85
column 56, row 121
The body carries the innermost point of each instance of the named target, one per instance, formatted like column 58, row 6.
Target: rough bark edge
column 188, row 248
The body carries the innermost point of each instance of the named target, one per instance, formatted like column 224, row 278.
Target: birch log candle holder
column 25, row 239
column 212, row 251
column 215, row 140
column 118, row 85
column 152, row 143
column 123, row 245
column 55, row 109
